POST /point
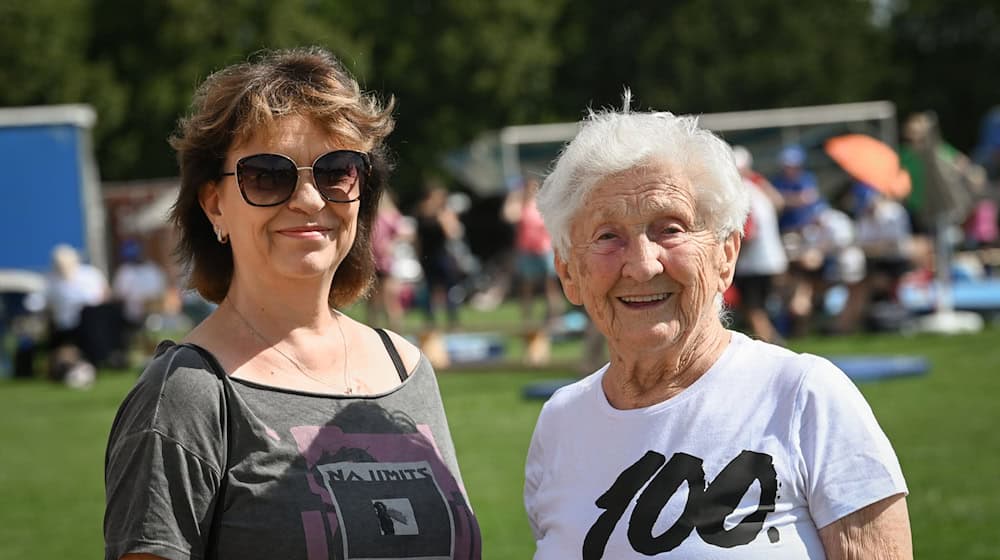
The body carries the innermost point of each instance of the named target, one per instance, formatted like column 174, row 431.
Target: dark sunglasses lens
column 340, row 175
column 266, row 179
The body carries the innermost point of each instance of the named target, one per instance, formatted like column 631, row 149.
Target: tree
column 708, row 55
column 947, row 55
column 43, row 60
column 457, row 68
column 162, row 49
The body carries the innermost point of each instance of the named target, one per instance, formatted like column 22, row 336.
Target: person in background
column 71, row 288
column 798, row 188
column 762, row 257
column 275, row 425
column 386, row 299
column 883, row 233
column 987, row 151
column 437, row 226
column 534, row 256
column 929, row 159
column 695, row 441
column 140, row 285
column 824, row 253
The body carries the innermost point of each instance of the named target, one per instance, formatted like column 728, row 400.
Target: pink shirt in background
column 531, row 234
column 388, row 224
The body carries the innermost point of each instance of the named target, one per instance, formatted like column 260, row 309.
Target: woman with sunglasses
column 279, row 427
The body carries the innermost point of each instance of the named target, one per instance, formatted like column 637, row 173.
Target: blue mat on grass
column 971, row 295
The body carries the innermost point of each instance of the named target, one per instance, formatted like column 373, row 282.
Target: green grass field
column 944, row 427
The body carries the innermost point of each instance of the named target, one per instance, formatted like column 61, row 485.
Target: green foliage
column 946, row 54
column 458, row 68
column 706, row 55
column 44, row 59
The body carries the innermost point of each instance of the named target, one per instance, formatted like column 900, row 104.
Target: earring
column 223, row 238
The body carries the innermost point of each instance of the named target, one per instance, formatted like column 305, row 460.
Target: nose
column 306, row 197
column 643, row 259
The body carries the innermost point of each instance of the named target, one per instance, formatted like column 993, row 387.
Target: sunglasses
column 270, row 179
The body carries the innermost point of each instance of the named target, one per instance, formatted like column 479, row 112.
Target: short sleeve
column 165, row 459
column 847, row 458
column 534, row 469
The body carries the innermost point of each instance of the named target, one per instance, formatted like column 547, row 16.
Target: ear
column 208, row 197
column 568, row 279
column 730, row 250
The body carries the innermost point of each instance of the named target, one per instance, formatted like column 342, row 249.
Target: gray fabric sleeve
column 165, row 459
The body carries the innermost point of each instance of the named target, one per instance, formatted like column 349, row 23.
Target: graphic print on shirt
column 387, row 495
column 389, row 499
column 653, row 480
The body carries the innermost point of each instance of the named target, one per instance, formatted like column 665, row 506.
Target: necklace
column 302, row 369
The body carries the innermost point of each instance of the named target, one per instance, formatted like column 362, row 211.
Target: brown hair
column 246, row 99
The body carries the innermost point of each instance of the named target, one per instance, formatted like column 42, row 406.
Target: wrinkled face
column 643, row 263
column 305, row 237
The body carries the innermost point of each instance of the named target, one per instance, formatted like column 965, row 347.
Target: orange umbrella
column 870, row 161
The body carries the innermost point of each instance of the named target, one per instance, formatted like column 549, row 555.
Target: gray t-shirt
column 201, row 465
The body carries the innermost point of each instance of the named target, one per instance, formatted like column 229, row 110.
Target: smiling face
column 643, row 262
column 304, row 238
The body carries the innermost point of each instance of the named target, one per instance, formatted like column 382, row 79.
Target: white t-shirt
column 67, row 297
column 763, row 254
column 747, row 462
column 136, row 284
column 886, row 223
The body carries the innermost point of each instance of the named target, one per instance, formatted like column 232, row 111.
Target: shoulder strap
column 212, row 544
column 393, row 353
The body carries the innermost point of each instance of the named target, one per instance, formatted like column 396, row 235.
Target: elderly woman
column 694, row 441
column 279, row 427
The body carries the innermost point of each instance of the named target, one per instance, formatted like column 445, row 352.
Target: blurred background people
column 140, row 285
column 799, row 189
column 987, row 151
column 821, row 255
column 437, row 226
column 883, row 233
column 963, row 201
column 928, row 158
column 762, row 259
column 22, row 321
column 391, row 227
column 72, row 286
column 535, row 267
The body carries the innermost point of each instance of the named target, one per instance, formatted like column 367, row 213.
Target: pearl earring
column 220, row 236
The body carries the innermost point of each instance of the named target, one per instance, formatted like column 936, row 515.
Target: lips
column 304, row 229
column 305, row 232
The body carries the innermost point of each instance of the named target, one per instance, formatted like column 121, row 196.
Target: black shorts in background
column 754, row 290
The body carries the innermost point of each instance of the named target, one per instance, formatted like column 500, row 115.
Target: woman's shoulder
column 783, row 363
column 570, row 396
column 183, row 366
column 180, row 384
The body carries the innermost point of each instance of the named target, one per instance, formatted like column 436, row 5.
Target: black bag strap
column 212, row 545
column 393, row 353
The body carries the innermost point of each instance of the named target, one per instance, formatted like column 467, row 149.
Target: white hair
column 65, row 261
column 611, row 142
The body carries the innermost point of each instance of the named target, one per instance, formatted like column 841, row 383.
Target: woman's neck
column 283, row 309
column 640, row 379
